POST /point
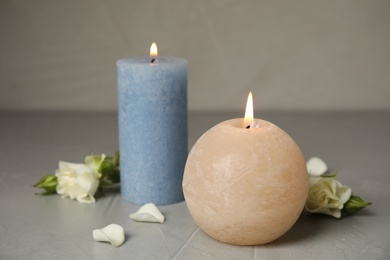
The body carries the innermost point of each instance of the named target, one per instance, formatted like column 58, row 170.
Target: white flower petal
column 148, row 213
column 112, row 233
column 71, row 166
column 316, row 166
column 87, row 198
column 314, row 180
column 336, row 213
column 344, row 193
column 93, row 161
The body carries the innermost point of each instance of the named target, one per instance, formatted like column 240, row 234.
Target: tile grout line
column 186, row 243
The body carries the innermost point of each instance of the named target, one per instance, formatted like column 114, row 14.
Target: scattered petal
column 316, row 166
column 112, row 233
column 148, row 213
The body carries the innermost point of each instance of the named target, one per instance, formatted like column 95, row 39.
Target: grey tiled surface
column 35, row 227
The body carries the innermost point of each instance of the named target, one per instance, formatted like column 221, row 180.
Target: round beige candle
column 245, row 186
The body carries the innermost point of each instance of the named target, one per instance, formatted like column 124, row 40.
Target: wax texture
column 245, row 186
column 153, row 131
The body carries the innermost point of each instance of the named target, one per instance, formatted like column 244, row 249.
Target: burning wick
column 248, row 119
column 153, row 52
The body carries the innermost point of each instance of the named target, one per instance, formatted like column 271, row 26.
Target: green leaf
column 330, row 175
column 116, row 159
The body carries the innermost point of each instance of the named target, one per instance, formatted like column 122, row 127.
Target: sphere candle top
column 245, row 182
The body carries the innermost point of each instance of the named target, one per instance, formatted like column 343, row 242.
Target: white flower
column 316, row 166
column 77, row 181
column 327, row 196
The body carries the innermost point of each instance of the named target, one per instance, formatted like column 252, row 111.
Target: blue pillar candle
column 153, row 135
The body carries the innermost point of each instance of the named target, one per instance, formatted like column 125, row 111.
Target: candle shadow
column 113, row 190
column 307, row 227
column 310, row 225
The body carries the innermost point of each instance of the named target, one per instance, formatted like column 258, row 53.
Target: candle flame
column 153, row 50
column 248, row 119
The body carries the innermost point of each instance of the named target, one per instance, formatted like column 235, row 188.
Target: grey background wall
column 293, row 55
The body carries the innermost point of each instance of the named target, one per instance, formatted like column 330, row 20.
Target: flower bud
column 106, row 167
column 49, row 183
column 354, row 204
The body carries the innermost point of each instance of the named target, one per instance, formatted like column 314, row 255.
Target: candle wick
column 249, row 126
column 153, row 60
